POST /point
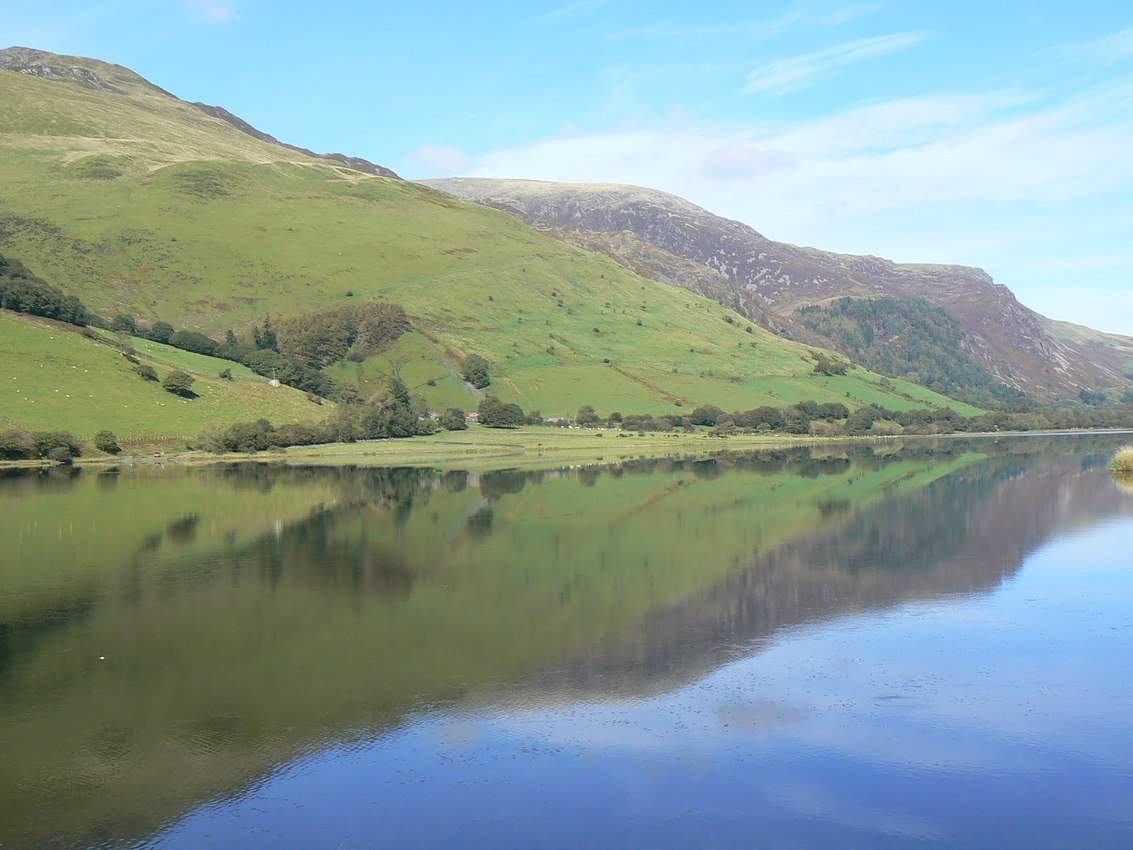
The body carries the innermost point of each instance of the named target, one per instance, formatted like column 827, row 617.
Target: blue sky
column 991, row 134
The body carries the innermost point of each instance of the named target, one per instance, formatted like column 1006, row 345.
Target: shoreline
column 532, row 446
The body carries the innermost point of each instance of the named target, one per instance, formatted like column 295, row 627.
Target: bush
column 706, row 414
column 160, row 332
column 535, row 417
column 226, row 374
column 498, row 414
column 193, row 341
column 60, row 455
column 475, row 371
column 1123, row 461
column 586, row 416
column 17, row 445
column 23, row 292
column 826, row 429
column 453, row 420
column 124, row 324
column 105, row 441
column 147, row 373
column 179, row 383
column 827, row 366
column 48, row 441
column 886, row 428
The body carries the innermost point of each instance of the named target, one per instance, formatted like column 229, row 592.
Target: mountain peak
column 115, row 79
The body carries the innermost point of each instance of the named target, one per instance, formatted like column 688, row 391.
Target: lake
column 926, row 644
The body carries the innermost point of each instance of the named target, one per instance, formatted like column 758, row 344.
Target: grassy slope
column 211, row 229
column 55, row 378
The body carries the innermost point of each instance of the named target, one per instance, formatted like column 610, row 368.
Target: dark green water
column 917, row 646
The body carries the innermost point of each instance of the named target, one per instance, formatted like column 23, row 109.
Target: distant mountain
column 660, row 235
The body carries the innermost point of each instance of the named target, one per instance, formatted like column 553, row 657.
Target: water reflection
column 172, row 637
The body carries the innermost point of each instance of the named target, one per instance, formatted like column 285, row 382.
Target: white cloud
column 214, row 11
column 438, row 160
column 850, row 13
column 1003, row 179
column 796, row 72
column 1111, row 49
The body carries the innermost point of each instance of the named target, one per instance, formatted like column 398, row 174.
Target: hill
column 55, row 378
column 138, row 202
column 769, row 281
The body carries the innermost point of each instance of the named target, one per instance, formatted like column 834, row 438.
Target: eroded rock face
column 49, row 66
column 769, row 280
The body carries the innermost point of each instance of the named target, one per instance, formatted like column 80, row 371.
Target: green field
column 185, row 219
column 56, row 379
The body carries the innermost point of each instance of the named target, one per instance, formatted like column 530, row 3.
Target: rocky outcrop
column 769, row 280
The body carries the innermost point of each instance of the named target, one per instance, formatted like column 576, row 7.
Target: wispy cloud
column 572, row 9
column 850, row 13
column 796, row 72
column 213, row 11
column 1109, row 50
column 437, row 161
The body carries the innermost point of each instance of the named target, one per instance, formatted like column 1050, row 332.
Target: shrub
column 60, row 455
column 105, row 441
column 1123, row 461
column 706, row 414
column 17, row 445
column 886, row 428
column 498, row 414
column 48, row 441
column 475, row 371
column 587, row 416
column 226, row 374
column 827, row 366
column 179, row 383
column 193, row 341
column 147, row 373
column 826, row 429
column 160, row 332
column 23, row 292
column 124, row 324
column 535, row 417
column 453, row 420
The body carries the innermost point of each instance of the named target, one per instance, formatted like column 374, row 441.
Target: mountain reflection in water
column 170, row 638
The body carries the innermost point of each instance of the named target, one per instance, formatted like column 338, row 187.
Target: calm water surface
column 917, row 646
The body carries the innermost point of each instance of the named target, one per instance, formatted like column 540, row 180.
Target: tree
column 475, row 371
column 226, row 374
column 827, row 366
column 586, row 416
column 453, row 420
column 124, row 324
column 861, row 420
column 534, row 417
column 193, row 341
column 147, row 373
column 161, row 332
column 498, row 414
column 17, row 445
column 179, row 383
column 706, row 414
column 265, row 336
column 230, row 337
column 49, row 441
column 105, row 441
column 60, row 455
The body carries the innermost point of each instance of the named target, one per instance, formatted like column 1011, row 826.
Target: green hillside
column 139, row 203
column 55, row 378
